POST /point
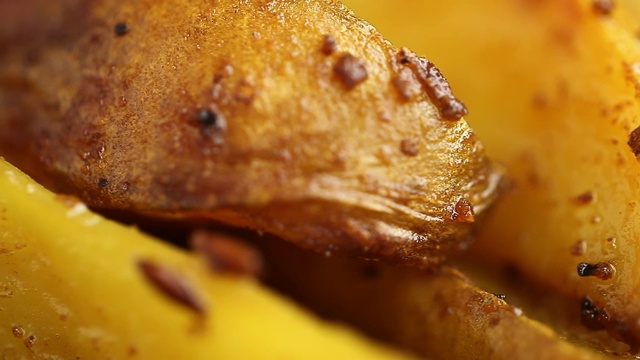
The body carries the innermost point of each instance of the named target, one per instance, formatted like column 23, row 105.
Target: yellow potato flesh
column 70, row 287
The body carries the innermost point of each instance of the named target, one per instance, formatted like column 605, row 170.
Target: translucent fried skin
column 290, row 117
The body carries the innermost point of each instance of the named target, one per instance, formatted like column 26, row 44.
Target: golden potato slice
column 72, row 286
column 554, row 95
column 290, row 117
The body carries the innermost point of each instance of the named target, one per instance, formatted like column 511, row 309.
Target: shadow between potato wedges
column 441, row 315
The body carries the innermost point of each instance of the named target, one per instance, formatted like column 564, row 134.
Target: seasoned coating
column 282, row 116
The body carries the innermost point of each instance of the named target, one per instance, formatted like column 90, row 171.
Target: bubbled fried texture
column 291, row 144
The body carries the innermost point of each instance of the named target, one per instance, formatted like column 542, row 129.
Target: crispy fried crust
column 236, row 111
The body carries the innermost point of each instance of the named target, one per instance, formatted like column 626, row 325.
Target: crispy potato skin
column 236, row 111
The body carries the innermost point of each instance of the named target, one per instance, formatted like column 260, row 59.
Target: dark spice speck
column 102, row 182
column 207, row 117
column 172, row 284
column 121, row 28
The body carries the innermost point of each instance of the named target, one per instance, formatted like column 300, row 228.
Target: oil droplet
column 77, row 209
column 17, row 331
column 30, row 341
column 6, row 292
column 517, row 311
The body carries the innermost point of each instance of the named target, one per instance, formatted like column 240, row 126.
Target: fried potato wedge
column 72, row 287
column 555, row 97
column 439, row 315
column 290, row 117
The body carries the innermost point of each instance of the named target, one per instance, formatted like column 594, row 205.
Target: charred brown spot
column 463, row 211
column 172, row 284
column 329, row 45
column 351, row 70
column 406, row 84
column 102, row 182
column 592, row 317
column 579, row 248
column 584, row 198
column 121, row 28
column 211, row 122
column 595, row 318
column 634, row 141
column 602, row 7
column 434, row 84
column 227, row 254
column 602, row 271
column 410, row 147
